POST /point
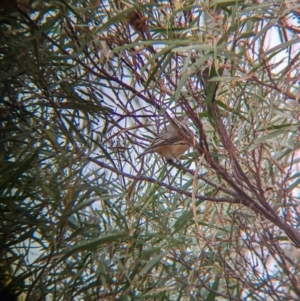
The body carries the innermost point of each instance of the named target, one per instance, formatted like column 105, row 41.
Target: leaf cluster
column 84, row 87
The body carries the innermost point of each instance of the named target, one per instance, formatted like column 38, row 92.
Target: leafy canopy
column 85, row 86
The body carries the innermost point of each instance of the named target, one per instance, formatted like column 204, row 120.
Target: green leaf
column 153, row 262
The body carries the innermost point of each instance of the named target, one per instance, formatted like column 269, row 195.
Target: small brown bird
column 169, row 143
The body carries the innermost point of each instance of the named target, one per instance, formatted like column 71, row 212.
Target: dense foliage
column 85, row 86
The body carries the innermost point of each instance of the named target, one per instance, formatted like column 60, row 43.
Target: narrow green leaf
column 154, row 261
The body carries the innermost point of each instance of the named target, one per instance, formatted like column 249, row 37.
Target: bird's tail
column 147, row 151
